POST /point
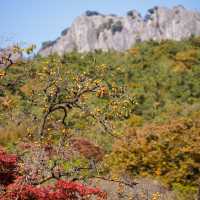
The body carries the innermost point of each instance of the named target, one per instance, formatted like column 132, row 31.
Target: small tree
column 66, row 91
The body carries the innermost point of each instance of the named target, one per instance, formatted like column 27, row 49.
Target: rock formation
column 93, row 30
column 8, row 56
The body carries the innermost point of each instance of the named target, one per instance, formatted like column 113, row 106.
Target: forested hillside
column 103, row 117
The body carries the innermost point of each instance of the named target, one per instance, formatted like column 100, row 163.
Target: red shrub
column 62, row 190
column 87, row 148
column 16, row 188
column 8, row 167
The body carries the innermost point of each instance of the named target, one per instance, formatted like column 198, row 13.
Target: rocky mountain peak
column 93, row 30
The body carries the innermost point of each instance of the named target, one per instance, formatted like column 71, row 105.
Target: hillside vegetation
column 103, row 115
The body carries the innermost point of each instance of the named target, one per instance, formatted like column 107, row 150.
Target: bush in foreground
column 62, row 190
column 15, row 186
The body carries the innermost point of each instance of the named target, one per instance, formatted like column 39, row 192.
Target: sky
column 35, row 21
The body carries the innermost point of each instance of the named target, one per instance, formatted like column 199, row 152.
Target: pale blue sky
column 35, row 21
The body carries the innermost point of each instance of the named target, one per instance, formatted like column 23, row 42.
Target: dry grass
column 12, row 133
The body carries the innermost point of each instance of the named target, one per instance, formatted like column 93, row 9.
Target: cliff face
column 109, row 32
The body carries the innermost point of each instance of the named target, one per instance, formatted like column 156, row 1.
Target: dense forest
column 103, row 124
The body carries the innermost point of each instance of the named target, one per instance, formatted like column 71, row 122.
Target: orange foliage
column 169, row 151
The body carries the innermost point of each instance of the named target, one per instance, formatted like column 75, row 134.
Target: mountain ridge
column 93, row 31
